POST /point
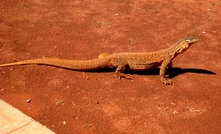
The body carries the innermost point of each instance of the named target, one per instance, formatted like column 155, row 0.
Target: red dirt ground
column 68, row 101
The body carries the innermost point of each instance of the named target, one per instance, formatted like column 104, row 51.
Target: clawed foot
column 166, row 81
column 122, row 75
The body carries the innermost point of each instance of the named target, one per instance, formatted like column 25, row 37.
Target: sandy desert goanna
column 121, row 61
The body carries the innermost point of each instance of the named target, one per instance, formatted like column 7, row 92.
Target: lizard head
column 190, row 39
column 185, row 43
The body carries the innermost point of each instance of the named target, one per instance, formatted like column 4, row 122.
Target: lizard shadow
column 177, row 71
column 173, row 72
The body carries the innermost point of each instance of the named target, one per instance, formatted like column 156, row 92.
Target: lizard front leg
column 170, row 65
column 166, row 63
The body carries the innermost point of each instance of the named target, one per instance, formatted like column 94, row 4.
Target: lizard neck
column 179, row 47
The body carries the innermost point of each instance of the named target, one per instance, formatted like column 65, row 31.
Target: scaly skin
column 121, row 61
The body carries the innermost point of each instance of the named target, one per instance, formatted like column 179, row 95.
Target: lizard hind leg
column 103, row 55
column 120, row 72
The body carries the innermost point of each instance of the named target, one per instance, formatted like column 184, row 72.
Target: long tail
column 84, row 65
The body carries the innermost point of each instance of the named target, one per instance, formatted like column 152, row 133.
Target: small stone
column 173, row 103
column 175, row 112
column 28, row 101
column 2, row 89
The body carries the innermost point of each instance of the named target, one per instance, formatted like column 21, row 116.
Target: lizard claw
column 127, row 76
column 166, row 81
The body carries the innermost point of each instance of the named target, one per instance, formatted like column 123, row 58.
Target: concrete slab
column 13, row 121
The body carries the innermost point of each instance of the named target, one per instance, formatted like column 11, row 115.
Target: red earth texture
column 68, row 101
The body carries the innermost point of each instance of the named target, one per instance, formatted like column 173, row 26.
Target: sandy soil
column 68, row 101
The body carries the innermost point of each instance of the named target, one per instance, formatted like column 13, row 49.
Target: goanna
column 121, row 61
